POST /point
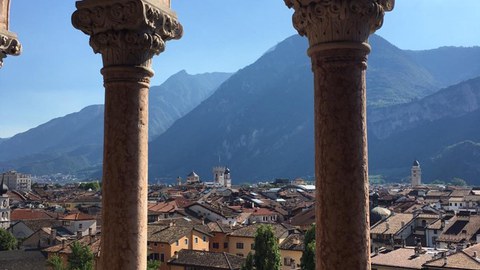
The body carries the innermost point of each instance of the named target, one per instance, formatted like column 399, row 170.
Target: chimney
column 296, row 241
column 291, row 231
column 402, row 224
column 79, row 234
column 445, row 260
column 387, row 225
column 53, row 234
column 475, row 255
column 63, row 243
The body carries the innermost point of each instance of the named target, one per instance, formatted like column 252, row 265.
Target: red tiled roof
column 78, row 216
column 31, row 214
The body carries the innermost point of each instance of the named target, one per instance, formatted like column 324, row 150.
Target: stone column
column 337, row 31
column 128, row 33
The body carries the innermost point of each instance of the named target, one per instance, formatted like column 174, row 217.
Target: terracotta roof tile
column 402, row 257
column 392, row 224
column 205, row 259
column 31, row 214
column 459, row 260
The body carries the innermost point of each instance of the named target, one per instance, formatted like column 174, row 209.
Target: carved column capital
column 326, row 21
column 9, row 45
column 126, row 32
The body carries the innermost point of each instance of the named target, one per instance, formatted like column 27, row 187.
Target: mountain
column 449, row 65
column 393, row 77
column 260, row 121
column 177, row 96
column 74, row 142
column 454, row 101
column 439, row 145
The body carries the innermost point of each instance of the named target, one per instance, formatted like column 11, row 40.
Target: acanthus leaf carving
column 9, row 45
column 324, row 21
column 126, row 32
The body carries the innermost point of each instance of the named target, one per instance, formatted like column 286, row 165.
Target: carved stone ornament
column 126, row 32
column 9, row 45
column 324, row 21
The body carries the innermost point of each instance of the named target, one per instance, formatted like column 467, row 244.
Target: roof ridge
column 228, row 262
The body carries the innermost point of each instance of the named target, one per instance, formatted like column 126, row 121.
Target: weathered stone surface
column 128, row 33
column 9, row 44
column 337, row 31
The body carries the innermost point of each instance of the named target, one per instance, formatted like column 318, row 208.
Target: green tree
column 307, row 262
column 81, row 257
column 7, row 240
column 458, row 182
column 248, row 263
column 153, row 264
column 56, row 263
column 267, row 253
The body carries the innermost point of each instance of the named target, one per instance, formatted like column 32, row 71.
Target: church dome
column 192, row 174
column 416, row 163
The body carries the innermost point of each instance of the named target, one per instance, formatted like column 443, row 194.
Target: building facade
column 4, row 206
column 18, row 181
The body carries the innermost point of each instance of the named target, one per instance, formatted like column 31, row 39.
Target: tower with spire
column 416, row 176
column 4, row 205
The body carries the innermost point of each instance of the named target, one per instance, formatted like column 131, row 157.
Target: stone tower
column 219, row 175
column 416, row 174
column 4, row 206
column 227, row 180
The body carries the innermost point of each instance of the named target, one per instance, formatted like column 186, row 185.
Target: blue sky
column 58, row 73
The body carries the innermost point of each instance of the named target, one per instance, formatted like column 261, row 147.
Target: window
column 196, row 240
column 434, row 231
column 252, row 246
column 176, row 243
column 80, row 226
column 239, row 245
column 216, row 245
column 162, row 257
column 225, row 245
column 287, row 261
column 186, row 241
column 240, row 254
column 155, row 256
column 204, row 238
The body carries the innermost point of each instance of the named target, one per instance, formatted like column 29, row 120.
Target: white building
column 193, row 178
column 18, row 181
column 416, row 174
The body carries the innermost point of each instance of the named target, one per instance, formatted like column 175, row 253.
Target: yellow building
column 291, row 250
column 240, row 241
column 165, row 241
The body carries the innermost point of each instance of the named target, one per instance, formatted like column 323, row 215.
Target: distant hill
column 74, row 142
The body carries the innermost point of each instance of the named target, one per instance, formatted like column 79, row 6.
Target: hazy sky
column 58, row 73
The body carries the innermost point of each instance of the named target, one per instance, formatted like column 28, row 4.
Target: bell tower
column 416, row 174
column 4, row 206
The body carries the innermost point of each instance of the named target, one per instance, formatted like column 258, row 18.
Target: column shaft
column 337, row 32
column 128, row 33
column 125, row 169
column 341, row 158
